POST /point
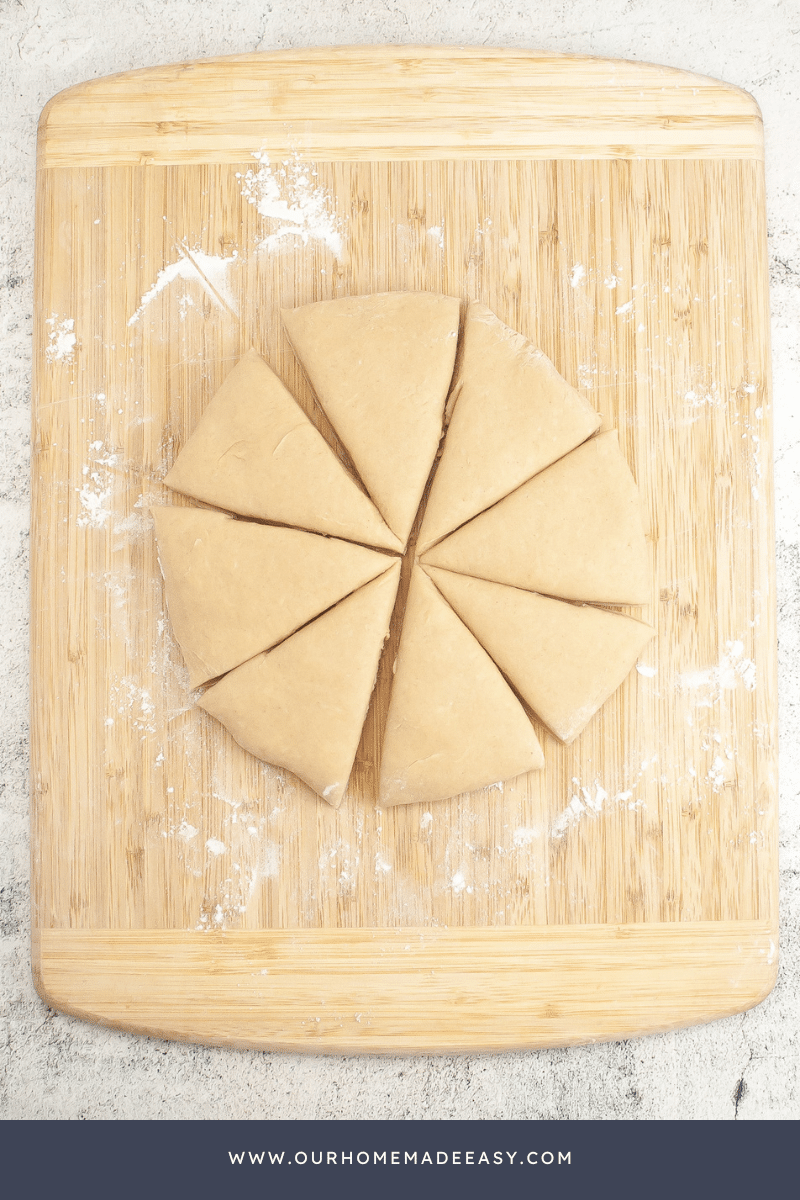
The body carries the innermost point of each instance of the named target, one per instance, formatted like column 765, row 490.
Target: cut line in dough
column 513, row 415
column 454, row 725
column 381, row 367
column 255, row 452
column 235, row 588
column 574, row 531
column 302, row 706
column 564, row 659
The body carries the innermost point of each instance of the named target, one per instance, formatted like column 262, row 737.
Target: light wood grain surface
column 380, row 103
column 404, row 990
column 643, row 277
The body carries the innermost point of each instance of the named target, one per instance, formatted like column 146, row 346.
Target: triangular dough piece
column 235, row 588
column 381, row 367
column 454, row 725
column 574, row 530
column 302, row 705
column 565, row 660
column 514, row 415
column 255, row 452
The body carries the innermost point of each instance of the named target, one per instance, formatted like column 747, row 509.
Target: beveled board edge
column 407, row 990
column 381, row 103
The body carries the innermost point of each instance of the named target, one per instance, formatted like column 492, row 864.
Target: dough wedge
column 565, row 660
column 381, row 367
column 454, row 725
column 513, row 415
column 255, row 452
column 302, row 705
column 573, row 531
column 235, row 588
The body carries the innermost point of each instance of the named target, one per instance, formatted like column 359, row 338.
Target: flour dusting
column 134, row 703
column 61, row 339
column 270, row 861
column 577, row 275
column 592, row 801
column 286, row 193
column 133, row 527
column 97, row 488
column 722, row 771
column 93, row 498
column 709, row 684
column 341, row 861
column 209, row 270
column 524, row 835
column 709, row 395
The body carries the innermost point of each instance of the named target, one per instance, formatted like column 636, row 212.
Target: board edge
column 634, row 966
column 169, row 143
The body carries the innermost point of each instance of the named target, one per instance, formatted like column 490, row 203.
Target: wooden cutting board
column 614, row 213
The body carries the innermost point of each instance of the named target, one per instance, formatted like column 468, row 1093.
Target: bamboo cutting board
column 612, row 212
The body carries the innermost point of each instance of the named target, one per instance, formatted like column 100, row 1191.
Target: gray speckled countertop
column 53, row 1066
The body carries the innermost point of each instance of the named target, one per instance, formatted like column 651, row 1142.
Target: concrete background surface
column 745, row 1067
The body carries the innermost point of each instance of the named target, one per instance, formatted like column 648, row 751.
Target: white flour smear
column 593, row 800
column 709, row 685
column 132, row 528
column 705, row 398
column 61, row 339
column 584, row 801
column 339, row 864
column 93, row 498
column 722, row 771
column 751, row 433
column 97, row 488
column 459, row 884
column 209, row 270
column 134, row 704
column 238, row 842
column 287, row 194
column 524, row 835
column 270, row 867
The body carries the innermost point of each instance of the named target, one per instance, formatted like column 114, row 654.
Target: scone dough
column 302, row 705
column 512, row 416
column 381, row 367
column 454, row 725
column 255, row 452
column 563, row 659
column 530, row 509
column 235, row 588
column 574, row 531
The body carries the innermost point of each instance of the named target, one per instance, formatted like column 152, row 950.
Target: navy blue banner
column 394, row 1159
